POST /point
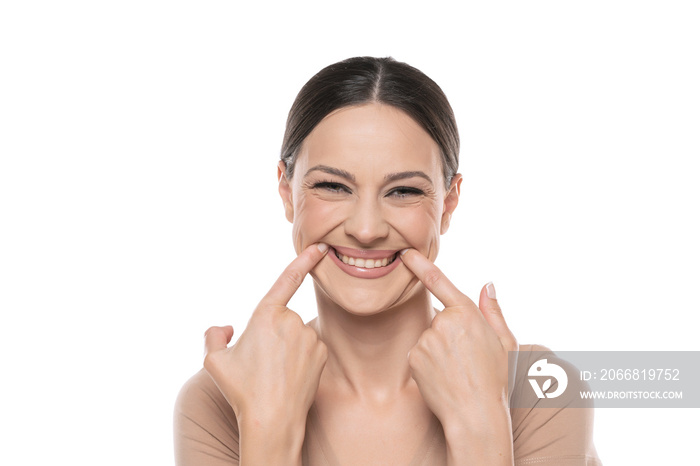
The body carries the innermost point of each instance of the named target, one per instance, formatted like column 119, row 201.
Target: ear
column 285, row 191
column 450, row 203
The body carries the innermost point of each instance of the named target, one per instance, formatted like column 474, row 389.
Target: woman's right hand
column 271, row 374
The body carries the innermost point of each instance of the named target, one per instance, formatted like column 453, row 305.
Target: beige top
column 206, row 431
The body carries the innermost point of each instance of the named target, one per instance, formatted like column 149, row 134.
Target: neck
column 367, row 355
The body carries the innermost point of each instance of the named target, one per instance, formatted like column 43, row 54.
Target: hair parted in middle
column 363, row 80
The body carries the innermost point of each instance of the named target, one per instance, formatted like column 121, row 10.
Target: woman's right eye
column 335, row 188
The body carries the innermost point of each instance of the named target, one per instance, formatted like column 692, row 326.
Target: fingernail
column 323, row 247
column 490, row 290
column 403, row 251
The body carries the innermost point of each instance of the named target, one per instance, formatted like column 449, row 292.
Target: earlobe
column 289, row 212
column 445, row 225
column 285, row 191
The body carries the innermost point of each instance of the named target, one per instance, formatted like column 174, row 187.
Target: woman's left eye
column 404, row 191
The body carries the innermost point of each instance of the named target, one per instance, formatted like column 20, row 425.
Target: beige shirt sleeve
column 205, row 427
column 551, row 436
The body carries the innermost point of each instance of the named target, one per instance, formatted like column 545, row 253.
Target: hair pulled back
column 363, row 80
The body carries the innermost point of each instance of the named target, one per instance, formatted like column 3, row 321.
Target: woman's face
column 368, row 181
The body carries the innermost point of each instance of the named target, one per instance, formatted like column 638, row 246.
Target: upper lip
column 365, row 253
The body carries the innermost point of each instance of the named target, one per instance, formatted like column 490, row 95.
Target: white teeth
column 365, row 263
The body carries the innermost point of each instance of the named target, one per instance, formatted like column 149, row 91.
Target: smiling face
column 368, row 181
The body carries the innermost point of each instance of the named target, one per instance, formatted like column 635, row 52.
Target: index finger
column 293, row 276
column 434, row 280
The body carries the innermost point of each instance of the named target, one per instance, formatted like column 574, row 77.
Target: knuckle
column 295, row 278
column 494, row 310
column 283, row 325
column 465, row 299
column 413, row 357
column 310, row 334
column 260, row 313
column 210, row 362
column 418, row 354
column 424, row 340
column 440, row 322
column 264, row 318
column 512, row 344
column 432, row 278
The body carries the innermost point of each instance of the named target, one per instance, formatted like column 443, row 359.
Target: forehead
column 372, row 136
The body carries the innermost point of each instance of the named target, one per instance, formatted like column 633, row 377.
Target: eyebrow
column 349, row 176
column 332, row 171
column 403, row 175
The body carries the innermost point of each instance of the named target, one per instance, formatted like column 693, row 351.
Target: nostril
column 367, row 226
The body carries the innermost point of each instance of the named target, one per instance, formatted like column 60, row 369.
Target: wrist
column 483, row 437
column 270, row 442
column 475, row 417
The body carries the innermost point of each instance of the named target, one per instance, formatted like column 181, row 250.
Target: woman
column 368, row 179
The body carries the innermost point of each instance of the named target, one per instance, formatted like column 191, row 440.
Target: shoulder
column 204, row 425
column 199, row 393
column 561, row 435
column 530, row 354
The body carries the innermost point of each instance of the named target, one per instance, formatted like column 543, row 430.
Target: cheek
column 313, row 219
column 419, row 226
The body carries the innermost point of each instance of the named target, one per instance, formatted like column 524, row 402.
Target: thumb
column 491, row 310
column 216, row 338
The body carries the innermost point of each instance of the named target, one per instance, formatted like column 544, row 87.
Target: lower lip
column 361, row 272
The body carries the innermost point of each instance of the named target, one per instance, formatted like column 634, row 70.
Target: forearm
column 270, row 444
column 484, row 440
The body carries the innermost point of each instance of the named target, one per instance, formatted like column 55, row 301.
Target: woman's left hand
column 460, row 363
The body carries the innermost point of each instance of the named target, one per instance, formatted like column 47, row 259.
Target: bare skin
column 382, row 363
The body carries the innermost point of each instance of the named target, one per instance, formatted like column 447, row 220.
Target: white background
column 138, row 200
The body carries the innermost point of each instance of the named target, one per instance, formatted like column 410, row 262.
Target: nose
column 366, row 222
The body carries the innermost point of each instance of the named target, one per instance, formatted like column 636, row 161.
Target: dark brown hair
column 363, row 80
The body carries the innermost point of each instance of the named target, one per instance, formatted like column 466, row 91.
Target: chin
column 364, row 297
column 369, row 306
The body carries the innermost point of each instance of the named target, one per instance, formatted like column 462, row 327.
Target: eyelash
column 337, row 187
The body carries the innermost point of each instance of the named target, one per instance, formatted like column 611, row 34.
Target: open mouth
column 366, row 263
column 370, row 264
